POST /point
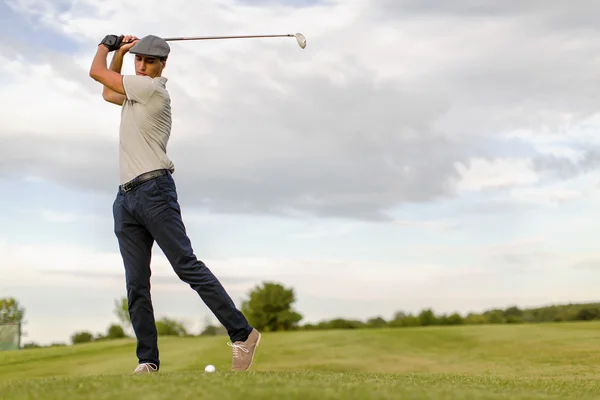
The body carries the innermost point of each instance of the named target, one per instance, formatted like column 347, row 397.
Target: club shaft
column 224, row 37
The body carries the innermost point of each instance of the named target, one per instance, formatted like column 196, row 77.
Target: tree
column 402, row 319
column 495, row 316
column 376, row 322
column 115, row 332
column 82, row 337
column 212, row 328
column 427, row 317
column 587, row 314
column 11, row 311
column 170, row 327
column 454, row 319
column 341, row 323
column 514, row 312
column 475, row 319
column 122, row 312
column 209, row 330
column 269, row 308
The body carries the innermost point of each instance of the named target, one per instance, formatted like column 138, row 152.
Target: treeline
column 164, row 327
column 269, row 308
column 510, row 315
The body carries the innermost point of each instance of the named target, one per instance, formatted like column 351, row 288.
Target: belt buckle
column 127, row 187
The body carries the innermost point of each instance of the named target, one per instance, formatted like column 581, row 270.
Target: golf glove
column 112, row 42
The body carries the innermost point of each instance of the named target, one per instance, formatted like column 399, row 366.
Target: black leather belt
column 138, row 180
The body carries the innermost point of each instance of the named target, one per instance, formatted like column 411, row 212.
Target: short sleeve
column 138, row 88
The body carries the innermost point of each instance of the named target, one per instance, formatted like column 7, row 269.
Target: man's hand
column 114, row 42
column 127, row 43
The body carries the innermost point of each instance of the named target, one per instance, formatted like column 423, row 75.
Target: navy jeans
column 150, row 212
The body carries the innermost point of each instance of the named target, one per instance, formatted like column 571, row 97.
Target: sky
column 415, row 154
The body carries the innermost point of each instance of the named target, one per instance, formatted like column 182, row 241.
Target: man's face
column 148, row 66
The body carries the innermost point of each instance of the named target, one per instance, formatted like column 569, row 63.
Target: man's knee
column 137, row 288
column 186, row 263
column 191, row 270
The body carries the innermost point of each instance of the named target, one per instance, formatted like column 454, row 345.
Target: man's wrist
column 103, row 48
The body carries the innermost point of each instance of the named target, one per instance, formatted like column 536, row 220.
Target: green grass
column 547, row 361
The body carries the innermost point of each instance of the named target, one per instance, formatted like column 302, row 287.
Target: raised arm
column 108, row 94
column 111, row 79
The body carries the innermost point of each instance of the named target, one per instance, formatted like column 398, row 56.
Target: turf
column 546, row 361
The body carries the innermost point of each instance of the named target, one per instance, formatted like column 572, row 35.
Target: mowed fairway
column 547, row 361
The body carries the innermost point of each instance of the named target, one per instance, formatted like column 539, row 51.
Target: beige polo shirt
column 145, row 127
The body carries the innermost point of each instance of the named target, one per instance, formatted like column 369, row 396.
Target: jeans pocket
column 155, row 203
column 166, row 187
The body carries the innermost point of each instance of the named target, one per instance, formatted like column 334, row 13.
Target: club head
column 301, row 40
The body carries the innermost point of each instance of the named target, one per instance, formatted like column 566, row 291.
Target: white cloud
column 70, row 267
column 372, row 129
column 561, row 151
column 437, row 225
column 545, row 195
column 501, row 173
column 62, row 217
column 564, row 130
column 557, row 193
column 57, row 107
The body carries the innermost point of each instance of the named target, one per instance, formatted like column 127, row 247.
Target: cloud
column 545, row 196
column 345, row 128
column 564, row 167
column 469, row 8
column 434, row 225
column 588, row 264
column 68, row 265
column 498, row 173
column 158, row 281
column 524, row 254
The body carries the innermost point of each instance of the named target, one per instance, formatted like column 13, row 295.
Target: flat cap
column 152, row 46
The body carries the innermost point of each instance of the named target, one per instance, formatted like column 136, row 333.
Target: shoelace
column 236, row 347
column 147, row 367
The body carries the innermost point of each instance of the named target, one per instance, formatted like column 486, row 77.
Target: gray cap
column 152, row 46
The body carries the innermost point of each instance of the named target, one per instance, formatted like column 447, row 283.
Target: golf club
column 299, row 37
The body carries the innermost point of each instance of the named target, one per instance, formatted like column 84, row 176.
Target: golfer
column 146, row 207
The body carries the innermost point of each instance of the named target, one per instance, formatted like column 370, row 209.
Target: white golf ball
column 210, row 368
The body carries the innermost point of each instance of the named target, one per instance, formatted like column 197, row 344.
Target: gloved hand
column 112, row 42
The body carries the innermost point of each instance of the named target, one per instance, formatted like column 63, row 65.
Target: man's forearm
column 117, row 62
column 99, row 61
column 111, row 80
column 115, row 65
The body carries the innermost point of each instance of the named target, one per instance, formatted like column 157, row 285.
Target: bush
column 170, row 327
column 82, row 337
column 115, row 332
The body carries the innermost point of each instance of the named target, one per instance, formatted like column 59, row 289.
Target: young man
column 146, row 207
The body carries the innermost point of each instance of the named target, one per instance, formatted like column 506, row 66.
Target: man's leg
column 135, row 244
column 163, row 219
